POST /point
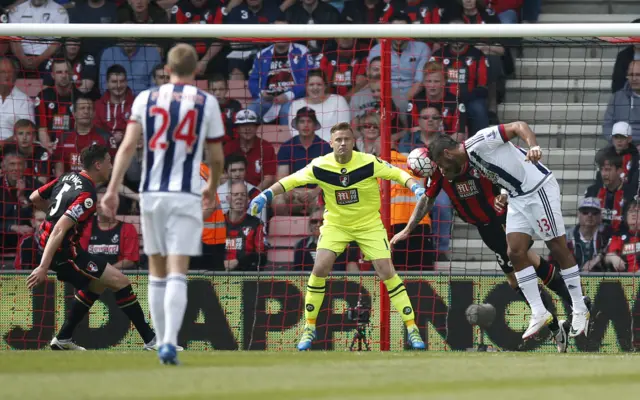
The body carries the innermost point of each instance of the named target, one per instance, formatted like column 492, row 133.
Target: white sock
column 157, row 288
column 571, row 278
column 175, row 304
column 528, row 283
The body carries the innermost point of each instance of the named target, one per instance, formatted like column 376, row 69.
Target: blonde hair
column 182, row 60
column 342, row 126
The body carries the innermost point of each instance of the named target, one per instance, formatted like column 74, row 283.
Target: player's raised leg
column 316, row 287
column 80, row 306
column 126, row 300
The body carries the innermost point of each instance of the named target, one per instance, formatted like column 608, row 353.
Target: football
column 419, row 163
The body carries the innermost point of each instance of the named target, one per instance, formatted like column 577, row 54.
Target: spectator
column 332, row 108
column 235, row 168
column 277, row 78
column 304, row 253
column 367, row 100
column 133, row 176
column 245, row 237
column 624, row 58
column 622, row 254
column 346, row 69
column 416, row 252
column 34, row 52
column 531, row 11
column 141, row 12
column 16, row 105
column 240, row 59
column 37, row 158
column 114, row 241
column 507, row 11
column 212, row 54
column 113, row 109
column 160, row 75
column 466, row 69
column 624, row 146
column 54, row 105
column 259, row 153
column 84, row 70
column 408, row 58
column 430, row 126
column 71, row 144
column 364, row 11
column 29, row 254
column 434, row 93
column 419, row 11
column 219, row 88
column 613, row 193
column 295, row 154
column 621, row 104
column 369, row 96
column 14, row 203
column 585, row 240
column 369, row 140
column 314, row 12
column 137, row 60
column 94, row 12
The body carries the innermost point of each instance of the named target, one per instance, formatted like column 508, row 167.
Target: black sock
column 128, row 303
column 552, row 279
column 80, row 306
column 553, row 326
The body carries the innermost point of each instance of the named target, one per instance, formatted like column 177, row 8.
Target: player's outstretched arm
column 424, row 206
column 53, row 244
column 523, row 131
column 303, row 177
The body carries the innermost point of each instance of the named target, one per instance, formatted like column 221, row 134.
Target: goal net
column 397, row 86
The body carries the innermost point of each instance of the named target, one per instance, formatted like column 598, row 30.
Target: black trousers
column 212, row 258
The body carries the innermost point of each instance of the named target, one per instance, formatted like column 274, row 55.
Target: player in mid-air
column 534, row 208
column 70, row 202
column 481, row 203
column 176, row 119
column 349, row 181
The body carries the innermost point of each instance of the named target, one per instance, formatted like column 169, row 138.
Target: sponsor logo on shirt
column 345, row 197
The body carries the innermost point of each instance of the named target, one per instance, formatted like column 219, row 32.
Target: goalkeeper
column 352, row 195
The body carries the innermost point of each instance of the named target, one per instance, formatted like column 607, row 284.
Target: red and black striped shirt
column 454, row 113
column 245, row 242
column 341, row 69
column 471, row 195
column 612, row 203
column 420, row 12
column 627, row 246
column 465, row 71
column 72, row 195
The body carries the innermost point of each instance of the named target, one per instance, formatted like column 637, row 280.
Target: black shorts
column 494, row 237
column 79, row 270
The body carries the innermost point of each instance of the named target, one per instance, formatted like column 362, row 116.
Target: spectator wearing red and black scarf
column 245, row 234
column 613, row 193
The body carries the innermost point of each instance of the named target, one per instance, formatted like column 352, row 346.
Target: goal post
column 559, row 82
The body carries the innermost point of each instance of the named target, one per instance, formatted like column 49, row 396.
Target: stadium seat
column 239, row 90
column 30, row 86
column 280, row 256
column 284, row 241
column 275, row 133
column 288, row 226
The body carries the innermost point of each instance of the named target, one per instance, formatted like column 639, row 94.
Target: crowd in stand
column 303, row 86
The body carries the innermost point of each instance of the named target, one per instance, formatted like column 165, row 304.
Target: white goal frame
column 581, row 30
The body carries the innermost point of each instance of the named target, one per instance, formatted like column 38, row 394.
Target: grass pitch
column 317, row 375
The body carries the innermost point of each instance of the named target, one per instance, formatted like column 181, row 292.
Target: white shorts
column 538, row 213
column 171, row 224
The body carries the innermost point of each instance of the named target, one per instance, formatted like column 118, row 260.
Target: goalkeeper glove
column 417, row 190
column 257, row 204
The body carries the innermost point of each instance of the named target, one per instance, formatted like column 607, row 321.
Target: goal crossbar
column 322, row 31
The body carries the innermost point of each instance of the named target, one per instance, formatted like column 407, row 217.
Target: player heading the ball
column 534, row 208
column 349, row 182
column 176, row 120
